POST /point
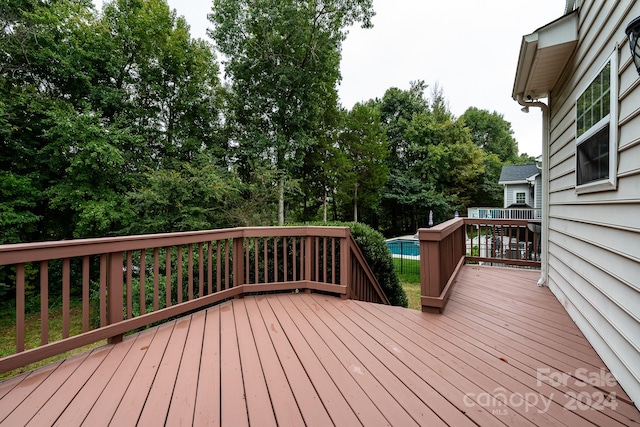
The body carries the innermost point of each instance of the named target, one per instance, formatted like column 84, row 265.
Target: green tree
column 162, row 82
column 283, row 59
column 493, row 134
column 92, row 181
column 398, row 205
column 48, row 55
column 487, row 190
column 321, row 170
column 434, row 164
column 93, row 101
column 524, row 159
column 17, row 199
column 364, row 145
column 446, row 161
column 192, row 196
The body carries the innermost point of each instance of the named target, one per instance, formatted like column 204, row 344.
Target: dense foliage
column 117, row 122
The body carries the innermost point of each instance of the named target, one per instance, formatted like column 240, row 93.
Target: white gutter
column 544, row 267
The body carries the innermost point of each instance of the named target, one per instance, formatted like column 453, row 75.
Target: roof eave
column 544, row 54
column 522, row 181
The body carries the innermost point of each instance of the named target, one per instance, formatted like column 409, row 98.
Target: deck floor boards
column 313, row 359
column 207, row 405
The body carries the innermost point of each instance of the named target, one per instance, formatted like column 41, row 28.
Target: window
column 596, row 132
column 521, row 198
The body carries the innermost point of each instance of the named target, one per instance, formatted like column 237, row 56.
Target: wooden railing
column 503, row 241
column 125, row 283
column 442, row 253
column 447, row 246
column 504, row 213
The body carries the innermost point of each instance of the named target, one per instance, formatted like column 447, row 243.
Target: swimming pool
column 404, row 247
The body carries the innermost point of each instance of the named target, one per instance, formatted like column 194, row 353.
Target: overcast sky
column 469, row 47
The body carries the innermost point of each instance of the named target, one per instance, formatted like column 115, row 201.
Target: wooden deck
column 503, row 353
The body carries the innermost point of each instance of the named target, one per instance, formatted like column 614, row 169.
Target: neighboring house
column 581, row 63
column 522, row 186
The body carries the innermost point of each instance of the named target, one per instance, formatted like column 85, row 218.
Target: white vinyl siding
column 538, row 192
column 594, row 237
column 510, row 193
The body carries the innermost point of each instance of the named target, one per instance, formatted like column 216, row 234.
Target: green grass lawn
column 412, row 290
column 410, row 280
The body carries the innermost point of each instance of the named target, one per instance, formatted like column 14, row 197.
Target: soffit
column 544, row 54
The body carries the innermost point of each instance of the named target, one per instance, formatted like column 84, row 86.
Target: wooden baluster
column 19, row 308
column 44, row 302
column 66, row 300
column 167, row 277
column 333, row 260
column 103, row 290
column 200, row 271
column 226, row 264
column 129, row 286
column 247, row 268
column 238, row 262
column 209, row 268
column 143, row 271
column 179, row 271
column 294, row 250
column 324, row 260
column 265, row 241
column 190, row 270
column 156, row 278
column 218, row 267
column 256, row 263
column 114, row 284
column 275, row 259
column 311, row 256
column 285, row 258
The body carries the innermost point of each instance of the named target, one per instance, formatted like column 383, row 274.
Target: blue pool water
column 407, row 247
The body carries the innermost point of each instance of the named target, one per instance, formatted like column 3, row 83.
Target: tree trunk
column 324, row 207
column 281, row 201
column 355, row 203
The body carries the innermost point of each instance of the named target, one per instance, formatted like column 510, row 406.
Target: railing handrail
column 515, row 213
column 361, row 259
column 503, row 209
column 39, row 251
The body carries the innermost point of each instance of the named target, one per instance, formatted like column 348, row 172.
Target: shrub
column 376, row 252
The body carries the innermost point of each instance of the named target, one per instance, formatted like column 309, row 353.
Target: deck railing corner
column 447, row 246
column 442, row 253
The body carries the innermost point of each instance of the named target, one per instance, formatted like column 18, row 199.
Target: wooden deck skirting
column 182, row 271
column 504, row 353
column 444, row 250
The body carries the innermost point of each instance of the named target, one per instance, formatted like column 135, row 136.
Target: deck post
column 238, row 261
column 308, row 252
column 442, row 253
column 345, row 265
column 115, row 298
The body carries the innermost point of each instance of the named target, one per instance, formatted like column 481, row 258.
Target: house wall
column 594, row 239
column 511, row 189
column 538, row 192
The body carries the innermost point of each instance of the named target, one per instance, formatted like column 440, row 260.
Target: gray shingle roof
column 518, row 172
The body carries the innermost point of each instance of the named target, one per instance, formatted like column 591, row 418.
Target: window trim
column 610, row 183
column 515, row 196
